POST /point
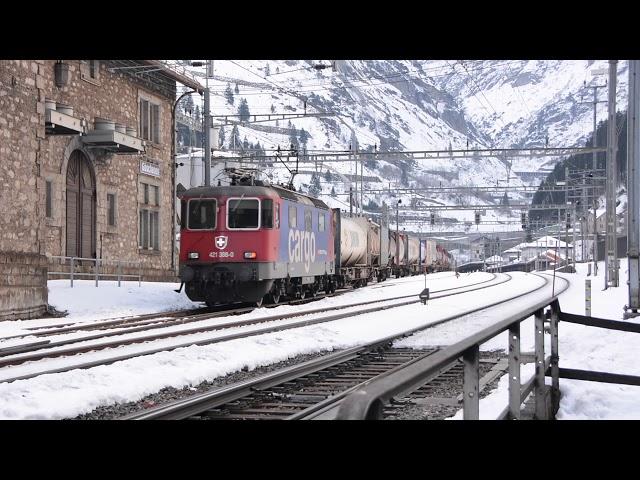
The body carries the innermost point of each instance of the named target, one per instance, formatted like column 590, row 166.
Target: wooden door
column 81, row 207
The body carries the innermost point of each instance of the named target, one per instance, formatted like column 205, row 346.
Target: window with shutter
column 144, row 119
column 155, row 122
column 48, row 209
column 111, row 209
column 150, row 120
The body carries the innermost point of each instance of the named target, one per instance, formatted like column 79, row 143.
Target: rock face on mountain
column 418, row 105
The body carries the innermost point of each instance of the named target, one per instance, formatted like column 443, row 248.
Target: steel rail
column 190, row 315
column 37, row 346
column 372, row 398
column 209, row 341
column 184, row 408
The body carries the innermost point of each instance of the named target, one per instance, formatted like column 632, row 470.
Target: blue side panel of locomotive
column 305, row 250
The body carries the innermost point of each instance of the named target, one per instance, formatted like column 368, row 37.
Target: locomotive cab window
column 243, row 213
column 267, row 213
column 202, row 214
column 321, row 221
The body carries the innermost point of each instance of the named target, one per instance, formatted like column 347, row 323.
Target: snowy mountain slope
column 414, row 105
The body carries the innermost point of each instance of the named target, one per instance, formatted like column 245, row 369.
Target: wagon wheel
column 259, row 303
column 313, row 291
column 274, row 297
column 302, row 293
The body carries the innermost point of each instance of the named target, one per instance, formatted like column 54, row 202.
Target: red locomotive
column 250, row 241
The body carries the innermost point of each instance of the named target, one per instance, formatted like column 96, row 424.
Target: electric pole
column 633, row 184
column 594, row 168
column 207, row 129
column 611, row 241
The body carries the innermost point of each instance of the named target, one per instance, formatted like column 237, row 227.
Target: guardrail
column 368, row 402
column 97, row 263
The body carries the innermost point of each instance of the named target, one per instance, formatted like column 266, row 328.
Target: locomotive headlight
column 250, row 255
column 194, row 255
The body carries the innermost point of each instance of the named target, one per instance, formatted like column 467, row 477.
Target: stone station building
column 87, row 170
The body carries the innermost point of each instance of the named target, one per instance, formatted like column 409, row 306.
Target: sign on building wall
column 149, row 168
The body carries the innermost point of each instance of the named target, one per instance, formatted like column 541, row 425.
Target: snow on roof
column 513, row 250
column 546, row 241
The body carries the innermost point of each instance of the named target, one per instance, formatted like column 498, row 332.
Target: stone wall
column 29, row 158
column 23, row 280
column 23, row 285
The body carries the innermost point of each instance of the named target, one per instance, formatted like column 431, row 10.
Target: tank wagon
column 254, row 242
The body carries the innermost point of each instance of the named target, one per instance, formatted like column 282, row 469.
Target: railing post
column 541, row 411
column 514, row 372
column 119, row 271
column 555, row 358
column 72, row 268
column 587, row 297
column 97, row 266
column 471, row 405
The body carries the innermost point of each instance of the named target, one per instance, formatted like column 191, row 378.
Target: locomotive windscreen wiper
column 238, row 204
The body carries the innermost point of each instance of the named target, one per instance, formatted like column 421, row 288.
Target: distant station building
column 87, row 172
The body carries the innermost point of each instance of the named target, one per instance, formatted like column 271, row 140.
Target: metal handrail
column 368, row 402
column 97, row 262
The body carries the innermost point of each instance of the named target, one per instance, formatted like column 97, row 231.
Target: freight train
column 254, row 242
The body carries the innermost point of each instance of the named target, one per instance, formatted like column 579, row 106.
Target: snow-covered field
column 585, row 348
column 78, row 391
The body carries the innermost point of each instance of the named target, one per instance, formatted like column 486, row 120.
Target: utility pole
column 611, row 241
column 207, row 128
column 566, row 223
column 633, row 184
column 594, row 167
column 398, row 236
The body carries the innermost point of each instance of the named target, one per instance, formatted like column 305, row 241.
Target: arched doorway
column 81, row 207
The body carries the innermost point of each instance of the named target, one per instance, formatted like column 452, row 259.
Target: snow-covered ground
column 585, row 348
column 78, row 391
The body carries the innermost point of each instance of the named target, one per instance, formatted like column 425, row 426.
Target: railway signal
column 433, row 218
column 477, row 218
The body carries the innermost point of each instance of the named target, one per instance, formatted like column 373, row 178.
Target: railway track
column 160, row 319
column 315, row 388
column 42, row 351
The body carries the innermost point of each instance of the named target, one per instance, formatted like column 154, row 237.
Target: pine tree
column 228, row 94
column 315, row 187
column 245, row 143
column 333, row 192
column 327, row 176
column 187, row 105
column 267, row 71
column 293, row 135
column 273, row 108
column 237, row 90
column 303, row 136
column 234, row 141
column 197, row 113
column 221, row 138
column 243, row 110
column 404, row 179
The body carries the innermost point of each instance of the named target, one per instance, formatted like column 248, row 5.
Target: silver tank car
column 353, row 241
column 414, row 251
column 392, row 249
column 392, row 245
column 373, row 243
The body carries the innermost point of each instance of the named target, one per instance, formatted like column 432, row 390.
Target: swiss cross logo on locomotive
column 221, row 242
